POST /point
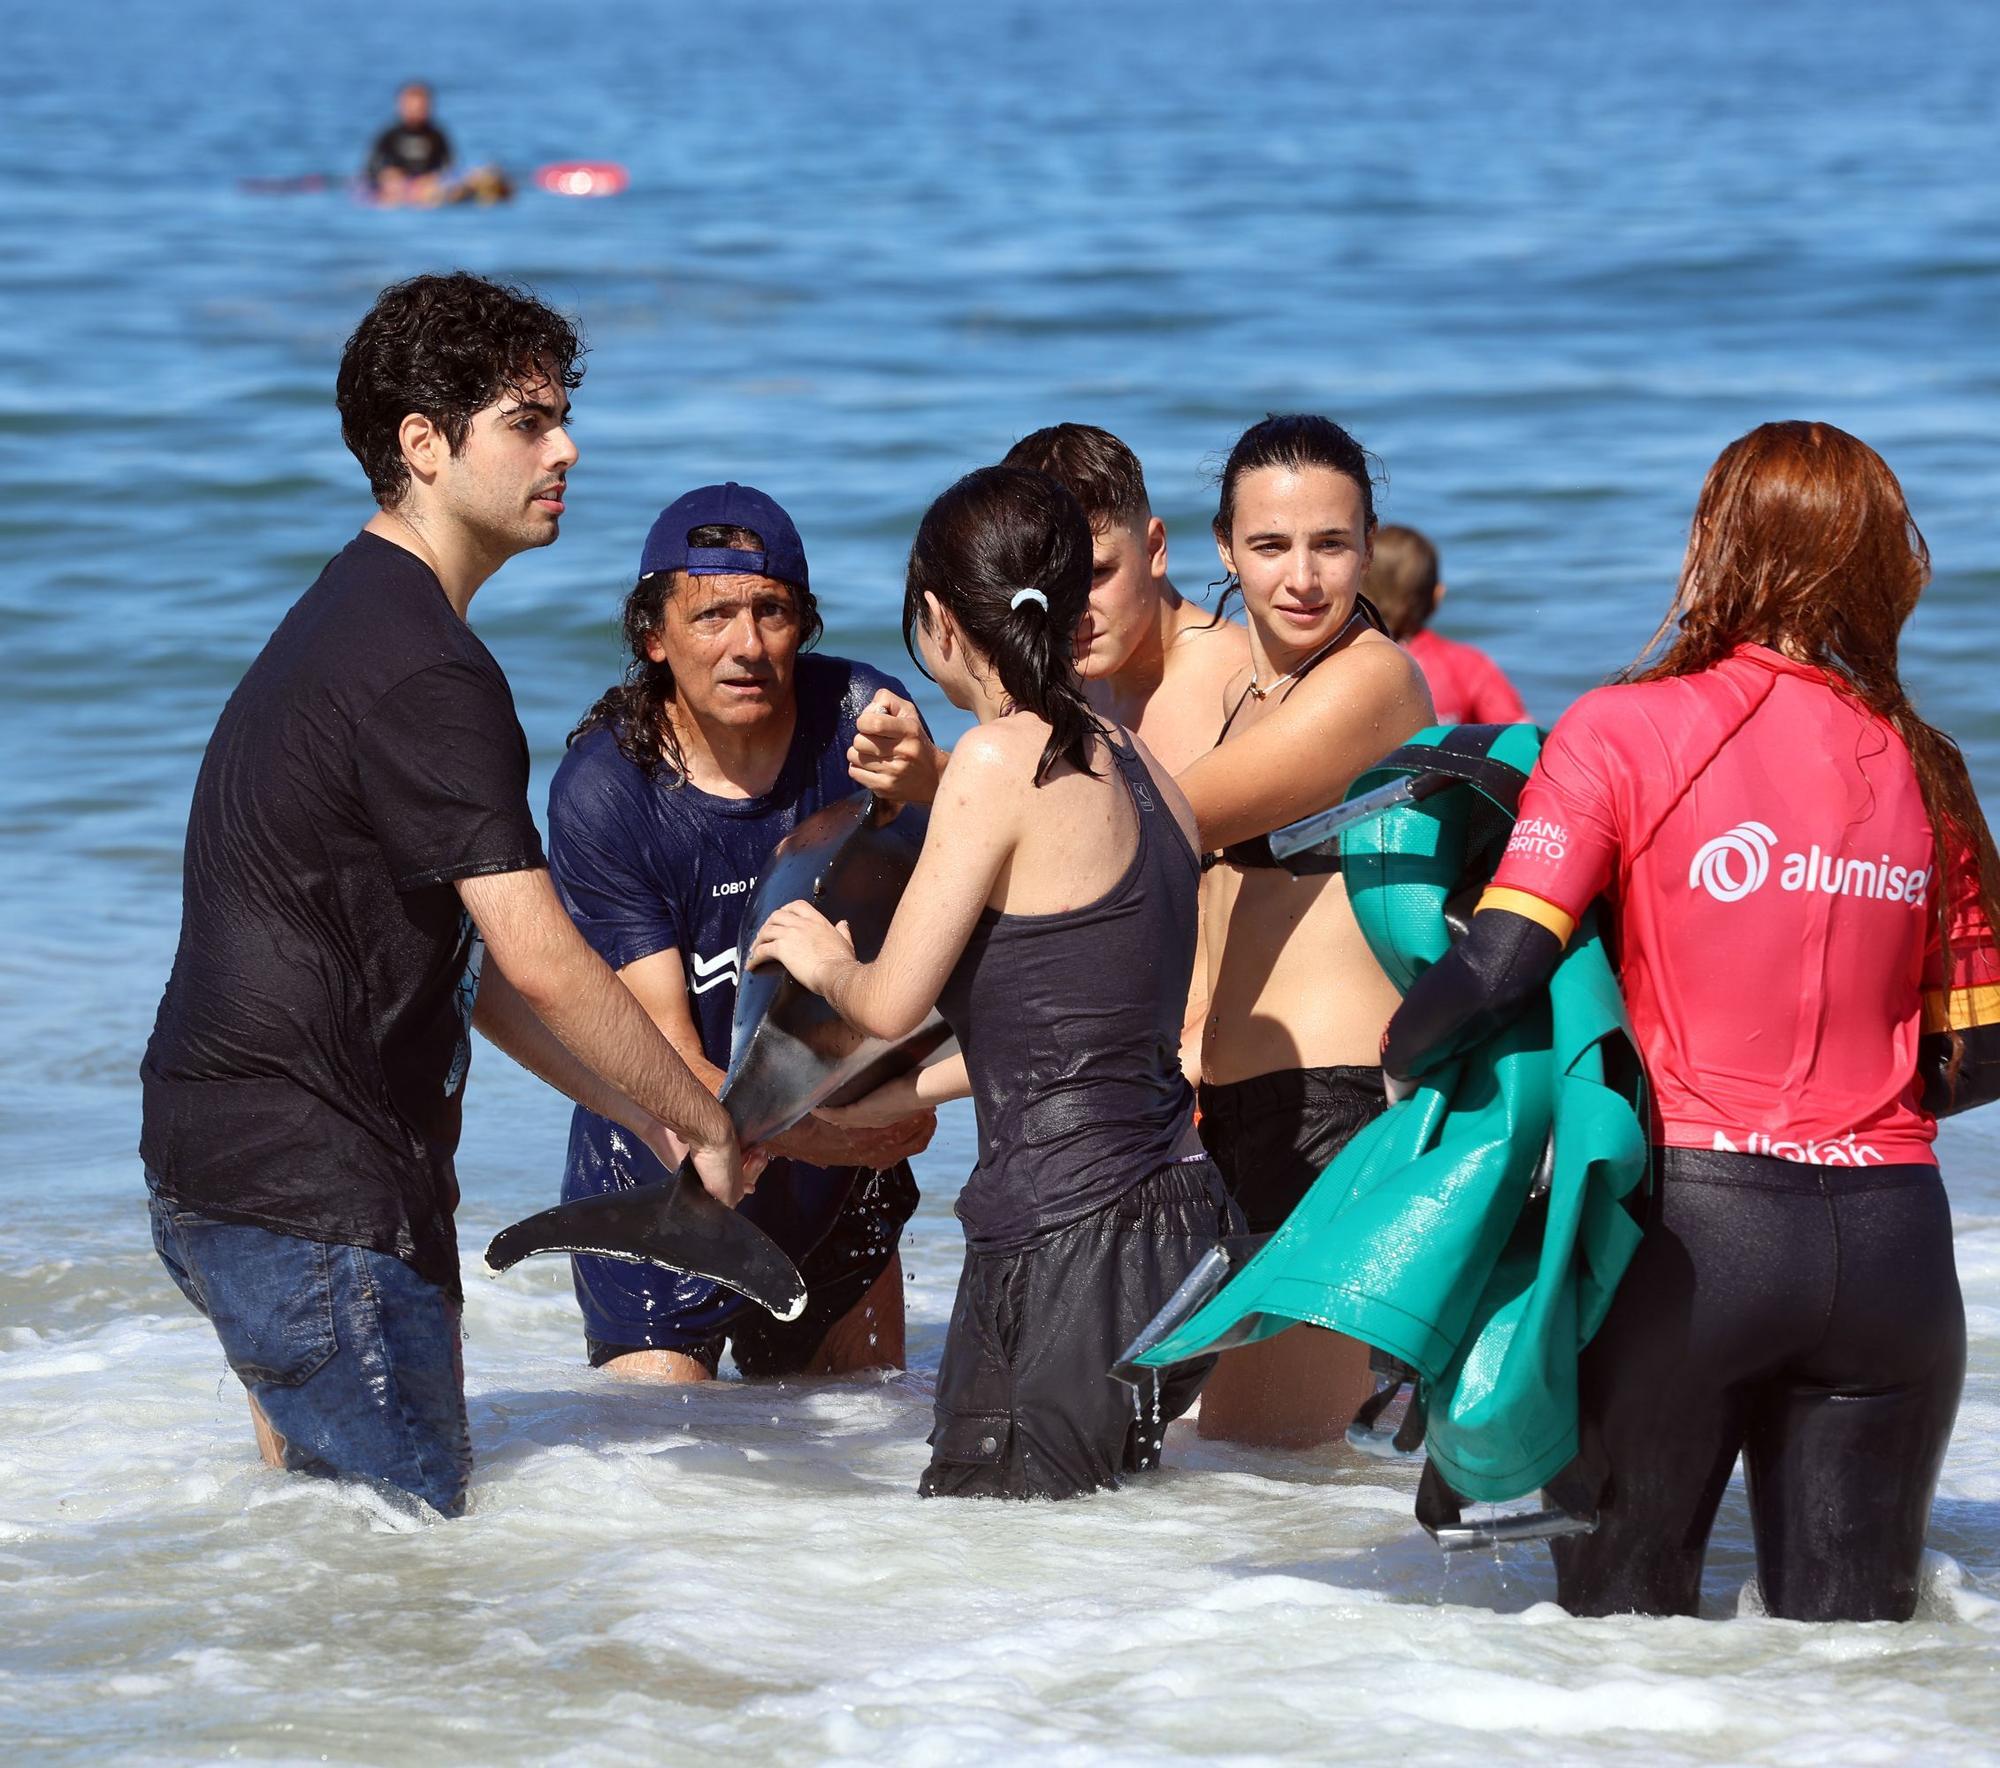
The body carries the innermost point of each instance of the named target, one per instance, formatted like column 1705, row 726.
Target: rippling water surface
column 1543, row 262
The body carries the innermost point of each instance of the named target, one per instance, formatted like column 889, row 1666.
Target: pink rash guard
column 1768, row 862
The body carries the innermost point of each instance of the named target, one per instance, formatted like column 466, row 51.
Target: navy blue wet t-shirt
column 645, row 866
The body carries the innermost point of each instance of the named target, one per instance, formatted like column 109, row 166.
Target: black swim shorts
column 1274, row 1134
column 1026, row 1407
column 838, row 1272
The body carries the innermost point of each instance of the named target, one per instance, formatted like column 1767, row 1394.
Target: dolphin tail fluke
column 674, row 1223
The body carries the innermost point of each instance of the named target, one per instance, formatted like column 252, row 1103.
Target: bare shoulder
column 1206, row 666
column 1209, row 645
column 982, row 795
column 1008, row 749
column 1373, row 673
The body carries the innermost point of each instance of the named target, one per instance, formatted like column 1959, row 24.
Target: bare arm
column 593, row 1017
column 922, row 1090
column 508, row 1021
column 973, row 830
column 1195, row 1020
column 659, row 983
column 1306, row 750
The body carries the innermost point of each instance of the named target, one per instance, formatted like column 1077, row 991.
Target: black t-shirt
column 306, row 1069
column 414, row 150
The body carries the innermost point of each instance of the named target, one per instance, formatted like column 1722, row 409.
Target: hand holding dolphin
column 790, row 1053
column 812, row 948
column 727, row 1174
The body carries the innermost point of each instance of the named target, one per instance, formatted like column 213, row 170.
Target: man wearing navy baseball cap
column 726, row 732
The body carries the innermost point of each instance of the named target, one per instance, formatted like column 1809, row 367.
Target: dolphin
column 789, row 1052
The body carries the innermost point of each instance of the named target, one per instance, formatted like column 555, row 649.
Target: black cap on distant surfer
column 726, row 733
column 364, row 883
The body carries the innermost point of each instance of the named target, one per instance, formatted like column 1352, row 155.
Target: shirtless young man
column 1152, row 661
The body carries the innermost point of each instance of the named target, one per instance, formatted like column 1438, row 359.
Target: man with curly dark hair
column 364, row 883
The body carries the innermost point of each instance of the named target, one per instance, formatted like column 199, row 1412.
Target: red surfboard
column 583, row 178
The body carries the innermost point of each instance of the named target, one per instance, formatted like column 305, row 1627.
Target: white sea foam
column 937, row 228
column 743, row 1570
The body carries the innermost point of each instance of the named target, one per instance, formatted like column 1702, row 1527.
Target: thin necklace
column 1265, row 691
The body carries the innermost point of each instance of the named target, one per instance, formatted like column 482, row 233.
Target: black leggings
column 1809, row 1318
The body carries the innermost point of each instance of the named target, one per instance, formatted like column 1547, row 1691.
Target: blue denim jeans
column 353, row 1358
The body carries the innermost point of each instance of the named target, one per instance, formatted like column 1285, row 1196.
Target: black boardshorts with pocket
column 1026, row 1406
column 1274, row 1134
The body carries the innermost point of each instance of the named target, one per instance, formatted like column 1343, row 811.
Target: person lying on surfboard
column 1051, row 921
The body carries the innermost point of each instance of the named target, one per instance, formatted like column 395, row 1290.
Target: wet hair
column 1295, row 442
column 1402, row 579
column 1802, row 541
column 635, row 709
column 445, row 347
column 999, row 531
column 1100, row 472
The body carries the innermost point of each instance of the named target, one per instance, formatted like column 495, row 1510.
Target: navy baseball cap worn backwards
column 783, row 558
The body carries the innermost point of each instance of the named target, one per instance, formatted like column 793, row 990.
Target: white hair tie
column 1029, row 595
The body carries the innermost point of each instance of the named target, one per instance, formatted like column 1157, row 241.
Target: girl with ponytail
column 1051, row 920
column 1801, row 891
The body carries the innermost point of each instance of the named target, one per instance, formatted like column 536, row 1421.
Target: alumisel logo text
column 1739, row 863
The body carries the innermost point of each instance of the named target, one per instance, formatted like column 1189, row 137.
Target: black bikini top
column 1255, row 852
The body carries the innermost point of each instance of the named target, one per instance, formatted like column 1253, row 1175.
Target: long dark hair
column 635, row 709
column 999, row 531
column 1802, row 541
column 1295, row 441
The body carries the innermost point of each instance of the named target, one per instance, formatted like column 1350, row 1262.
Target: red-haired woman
column 1801, row 892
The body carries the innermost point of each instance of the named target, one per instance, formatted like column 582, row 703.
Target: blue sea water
column 1544, row 259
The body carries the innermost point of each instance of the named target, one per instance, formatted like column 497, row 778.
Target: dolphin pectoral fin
column 930, row 1042
column 674, row 1223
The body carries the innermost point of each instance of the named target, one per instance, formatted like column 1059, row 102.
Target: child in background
column 1467, row 686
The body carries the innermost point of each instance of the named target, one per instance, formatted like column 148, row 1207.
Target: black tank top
column 1071, row 1027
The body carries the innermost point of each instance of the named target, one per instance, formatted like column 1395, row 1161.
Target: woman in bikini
column 1290, row 1054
